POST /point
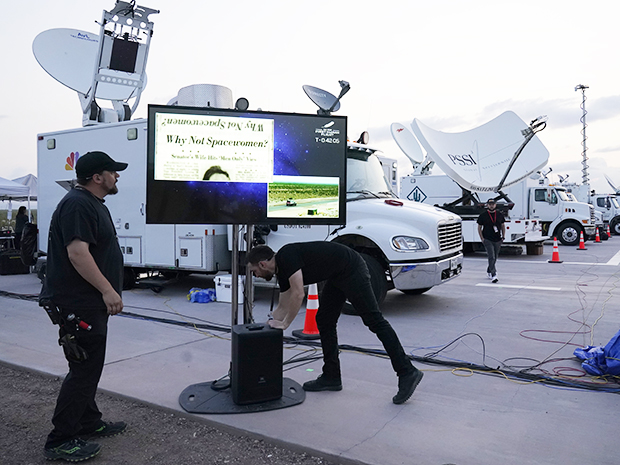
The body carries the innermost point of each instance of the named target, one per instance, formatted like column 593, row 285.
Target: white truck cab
column 407, row 245
column 605, row 204
column 559, row 216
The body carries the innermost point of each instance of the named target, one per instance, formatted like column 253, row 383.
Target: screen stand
column 211, row 397
column 248, row 288
column 235, row 276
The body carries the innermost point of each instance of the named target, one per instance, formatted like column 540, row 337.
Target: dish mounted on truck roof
column 497, row 154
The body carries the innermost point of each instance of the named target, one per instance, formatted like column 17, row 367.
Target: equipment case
column 11, row 263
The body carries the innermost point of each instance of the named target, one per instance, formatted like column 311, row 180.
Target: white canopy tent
column 30, row 181
column 11, row 190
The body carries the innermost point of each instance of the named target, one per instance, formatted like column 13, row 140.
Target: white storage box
column 223, row 288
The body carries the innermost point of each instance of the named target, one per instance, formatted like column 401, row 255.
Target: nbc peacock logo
column 71, row 161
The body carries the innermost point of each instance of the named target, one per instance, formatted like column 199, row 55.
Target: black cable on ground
column 429, row 360
column 13, row 295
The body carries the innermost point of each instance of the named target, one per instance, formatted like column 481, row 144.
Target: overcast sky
column 453, row 64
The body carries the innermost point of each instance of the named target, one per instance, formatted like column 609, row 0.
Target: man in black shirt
column 346, row 276
column 492, row 231
column 84, row 281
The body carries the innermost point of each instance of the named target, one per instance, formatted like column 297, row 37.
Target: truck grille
column 592, row 215
column 450, row 236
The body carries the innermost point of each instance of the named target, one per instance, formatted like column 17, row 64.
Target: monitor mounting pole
column 248, row 292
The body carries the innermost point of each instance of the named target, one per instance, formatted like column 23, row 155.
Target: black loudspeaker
column 256, row 371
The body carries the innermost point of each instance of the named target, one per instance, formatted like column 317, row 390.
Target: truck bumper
column 426, row 274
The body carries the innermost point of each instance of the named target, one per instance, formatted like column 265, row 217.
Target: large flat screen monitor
column 215, row 166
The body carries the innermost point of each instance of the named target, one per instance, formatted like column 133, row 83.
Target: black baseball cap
column 95, row 162
column 491, row 201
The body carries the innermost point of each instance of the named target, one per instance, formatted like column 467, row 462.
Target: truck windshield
column 562, row 195
column 365, row 177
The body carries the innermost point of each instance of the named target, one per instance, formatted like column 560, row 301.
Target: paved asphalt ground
column 501, row 383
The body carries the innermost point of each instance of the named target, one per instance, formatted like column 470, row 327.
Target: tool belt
column 68, row 327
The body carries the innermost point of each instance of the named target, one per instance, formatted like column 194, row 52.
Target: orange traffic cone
column 598, row 237
column 582, row 244
column 310, row 330
column 555, row 258
column 608, row 232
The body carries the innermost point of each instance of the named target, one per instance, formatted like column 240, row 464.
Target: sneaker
column 406, row 386
column 489, row 275
column 75, row 450
column 323, row 384
column 106, row 430
column 494, row 279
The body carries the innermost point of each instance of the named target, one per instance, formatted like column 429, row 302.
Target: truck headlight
column 409, row 243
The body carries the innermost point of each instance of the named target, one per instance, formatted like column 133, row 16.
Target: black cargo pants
column 354, row 284
column 76, row 410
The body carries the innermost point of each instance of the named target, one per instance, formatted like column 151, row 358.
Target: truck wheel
column 568, row 234
column 415, row 291
column 615, row 226
column 378, row 281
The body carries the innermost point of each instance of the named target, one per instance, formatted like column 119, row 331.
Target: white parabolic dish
column 407, row 143
column 477, row 159
column 69, row 56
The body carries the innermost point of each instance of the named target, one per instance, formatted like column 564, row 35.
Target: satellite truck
column 605, row 204
column 500, row 159
column 408, row 246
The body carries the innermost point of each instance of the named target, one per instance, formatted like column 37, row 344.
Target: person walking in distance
column 83, row 285
column 346, row 276
column 492, row 231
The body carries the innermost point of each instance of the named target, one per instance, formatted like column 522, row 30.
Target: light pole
column 584, row 161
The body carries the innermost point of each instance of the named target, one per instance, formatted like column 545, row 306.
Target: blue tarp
column 599, row 361
column 202, row 296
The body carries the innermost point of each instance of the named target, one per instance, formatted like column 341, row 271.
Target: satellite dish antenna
column 611, row 184
column 407, row 142
column 109, row 66
column 326, row 102
column 69, row 56
column 499, row 153
column 323, row 99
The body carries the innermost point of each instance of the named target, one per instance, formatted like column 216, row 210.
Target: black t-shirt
column 491, row 225
column 81, row 215
column 318, row 261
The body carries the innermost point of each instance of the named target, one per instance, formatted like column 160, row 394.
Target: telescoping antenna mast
column 584, row 161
